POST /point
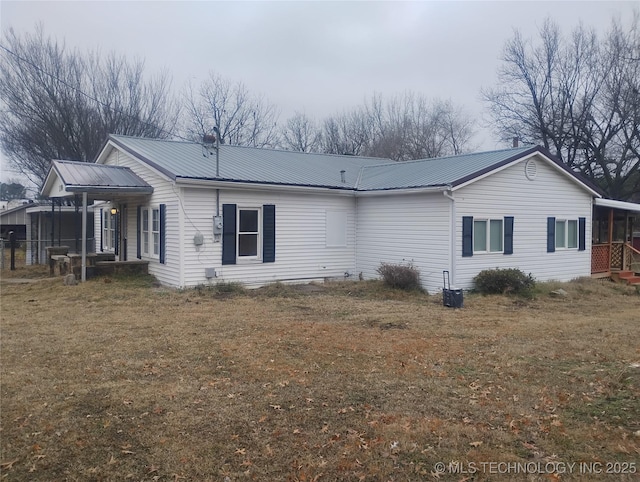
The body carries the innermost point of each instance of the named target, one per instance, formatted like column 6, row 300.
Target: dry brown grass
column 349, row 381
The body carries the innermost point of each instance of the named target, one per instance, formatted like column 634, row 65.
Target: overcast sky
column 315, row 57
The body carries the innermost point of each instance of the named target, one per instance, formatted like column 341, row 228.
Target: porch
column 115, row 184
column 615, row 238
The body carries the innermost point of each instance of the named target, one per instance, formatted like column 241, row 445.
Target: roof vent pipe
column 515, row 142
column 342, row 177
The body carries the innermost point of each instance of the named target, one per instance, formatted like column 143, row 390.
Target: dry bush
column 400, row 276
column 504, row 281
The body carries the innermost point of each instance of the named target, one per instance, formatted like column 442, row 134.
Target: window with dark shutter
column 228, row 234
column 508, row 235
column 551, row 235
column 138, row 232
column 467, row 236
column 582, row 234
column 100, row 230
column 163, row 233
column 268, row 233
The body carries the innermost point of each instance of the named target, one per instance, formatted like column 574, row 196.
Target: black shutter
column 551, row 235
column 163, row 232
column 467, row 236
column 228, row 234
column 582, row 234
column 508, row 235
column 138, row 233
column 99, row 230
column 268, row 233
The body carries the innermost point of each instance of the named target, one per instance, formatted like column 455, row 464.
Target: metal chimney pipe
column 515, row 142
column 342, row 176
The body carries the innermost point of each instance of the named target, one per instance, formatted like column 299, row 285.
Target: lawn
column 120, row 379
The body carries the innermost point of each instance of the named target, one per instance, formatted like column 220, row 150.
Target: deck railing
column 600, row 258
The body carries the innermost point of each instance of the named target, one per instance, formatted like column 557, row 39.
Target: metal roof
column 192, row 160
column 84, row 176
column 441, row 171
column 182, row 159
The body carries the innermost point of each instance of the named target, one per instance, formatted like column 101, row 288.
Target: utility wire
column 80, row 91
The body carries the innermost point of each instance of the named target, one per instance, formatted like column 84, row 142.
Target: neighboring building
column 257, row 215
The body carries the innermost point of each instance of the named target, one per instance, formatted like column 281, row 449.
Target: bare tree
column 348, row 133
column 578, row 97
column 58, row 104
column 243, row 118
column 404, row 127
column 300, row 133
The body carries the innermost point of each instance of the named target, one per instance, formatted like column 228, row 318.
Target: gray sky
column 315, row 57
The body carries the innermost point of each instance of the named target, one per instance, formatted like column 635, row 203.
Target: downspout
column 452, row 234
column 216, row 237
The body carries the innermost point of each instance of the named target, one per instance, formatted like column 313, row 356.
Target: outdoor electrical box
column 198, row 239
column 217, row 225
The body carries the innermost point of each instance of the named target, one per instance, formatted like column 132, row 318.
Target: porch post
column 84, row 236
column 610, row 236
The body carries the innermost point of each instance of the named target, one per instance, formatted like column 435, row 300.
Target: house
column 200, row 213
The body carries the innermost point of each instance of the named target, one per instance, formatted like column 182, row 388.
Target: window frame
column 576, row 234
column 150, row 242
column 488, row 222
column 108, row 231
column 258, row 234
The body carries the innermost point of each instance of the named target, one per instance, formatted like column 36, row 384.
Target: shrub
column 504, row 281
column 400, row 276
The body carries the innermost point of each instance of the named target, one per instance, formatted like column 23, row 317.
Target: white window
column 145, row 231
column 108, row 231
column 150, row 229
column 488, row 235
column 566, row 233
column 155, row 230
column 249, row 233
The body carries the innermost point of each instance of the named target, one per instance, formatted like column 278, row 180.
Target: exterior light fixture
column 114, row 211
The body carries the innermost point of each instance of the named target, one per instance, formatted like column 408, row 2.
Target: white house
column 200, row 214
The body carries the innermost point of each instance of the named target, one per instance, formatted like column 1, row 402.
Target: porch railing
column 631, row 258
column 600, row 258
column 617, row 256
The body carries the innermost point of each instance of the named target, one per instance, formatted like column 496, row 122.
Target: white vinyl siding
column 509, row 193
column 405, row 228
column 301, row 251
column 169, row 273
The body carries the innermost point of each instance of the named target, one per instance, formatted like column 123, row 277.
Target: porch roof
column 622, row 205
column 67, row 178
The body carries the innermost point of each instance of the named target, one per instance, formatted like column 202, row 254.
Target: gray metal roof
column 246, row 164
column 83, row 176
column 441, row 171
column 183, row 159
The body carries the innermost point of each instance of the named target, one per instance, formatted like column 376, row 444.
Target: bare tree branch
column 58, row 104
column 578, row 97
